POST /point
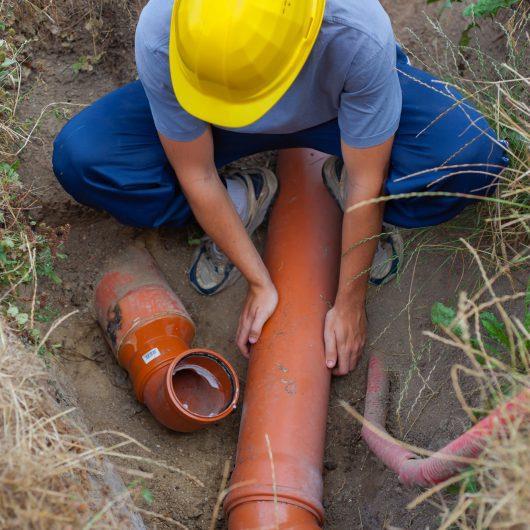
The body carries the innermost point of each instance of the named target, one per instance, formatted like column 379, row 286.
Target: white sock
column 238, row 193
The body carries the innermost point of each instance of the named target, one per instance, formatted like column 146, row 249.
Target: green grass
column 29, row 250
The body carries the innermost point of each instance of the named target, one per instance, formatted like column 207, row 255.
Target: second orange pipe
column 277, row 481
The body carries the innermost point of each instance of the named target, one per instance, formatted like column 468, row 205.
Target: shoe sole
column 333, row 186
column 398, row 246
column 264, row 202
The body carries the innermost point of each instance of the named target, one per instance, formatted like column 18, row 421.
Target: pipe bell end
column 199, row 388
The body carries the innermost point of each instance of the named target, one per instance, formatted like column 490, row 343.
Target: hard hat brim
column 235, row 114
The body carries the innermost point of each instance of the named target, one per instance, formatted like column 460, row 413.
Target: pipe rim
column 234, row 380
column 293, row 500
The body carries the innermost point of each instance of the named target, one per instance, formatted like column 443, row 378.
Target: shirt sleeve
column 370, row 104
column 170, row 118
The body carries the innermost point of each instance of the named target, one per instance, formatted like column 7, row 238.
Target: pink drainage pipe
column 445, row 463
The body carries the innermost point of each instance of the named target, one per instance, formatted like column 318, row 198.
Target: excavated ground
column 359, row 492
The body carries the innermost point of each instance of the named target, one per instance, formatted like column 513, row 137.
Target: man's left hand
column 344, row 336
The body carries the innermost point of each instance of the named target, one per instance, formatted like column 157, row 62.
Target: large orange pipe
column 286, row 400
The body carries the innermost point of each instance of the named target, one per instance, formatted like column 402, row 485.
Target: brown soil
column 359, row 491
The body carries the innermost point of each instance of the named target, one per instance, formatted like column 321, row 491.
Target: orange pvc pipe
column 286, row 399
column 150, row 331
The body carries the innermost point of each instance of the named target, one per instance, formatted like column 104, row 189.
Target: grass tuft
column 491, row 326
column 48, row 465
column 497, row 83
column 493, row 333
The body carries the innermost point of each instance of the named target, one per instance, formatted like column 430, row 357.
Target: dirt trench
column 359, row 492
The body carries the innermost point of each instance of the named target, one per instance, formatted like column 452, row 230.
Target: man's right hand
column 261, row 302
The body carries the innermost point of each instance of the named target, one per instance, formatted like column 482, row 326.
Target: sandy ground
column 359, row 492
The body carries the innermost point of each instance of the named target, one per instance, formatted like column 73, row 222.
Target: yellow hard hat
column 232, row 60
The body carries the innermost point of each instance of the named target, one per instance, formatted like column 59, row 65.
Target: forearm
column 367, row 170
column 216, row 214
column 359, row 241
column 194, row 166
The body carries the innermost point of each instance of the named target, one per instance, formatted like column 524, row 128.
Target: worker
column 221, row 80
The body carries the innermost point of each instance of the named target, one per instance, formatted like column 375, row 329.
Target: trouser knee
column 71, row 159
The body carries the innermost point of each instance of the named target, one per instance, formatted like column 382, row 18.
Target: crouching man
column 222, row 80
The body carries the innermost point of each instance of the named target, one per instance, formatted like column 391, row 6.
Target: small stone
column 330, row 465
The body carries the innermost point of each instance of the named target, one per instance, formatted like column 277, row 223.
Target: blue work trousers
column 109, row 156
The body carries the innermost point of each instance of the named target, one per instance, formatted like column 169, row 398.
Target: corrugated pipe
column 277, row 481
column 448, row 461
column 150, row 332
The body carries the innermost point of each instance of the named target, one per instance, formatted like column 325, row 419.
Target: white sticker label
column 150, row 355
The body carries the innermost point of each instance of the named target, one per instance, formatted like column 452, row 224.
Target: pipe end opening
column 204, row 385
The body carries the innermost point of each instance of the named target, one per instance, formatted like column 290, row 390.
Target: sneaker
column 211, row 271
column 388, row 256
column 390, row 249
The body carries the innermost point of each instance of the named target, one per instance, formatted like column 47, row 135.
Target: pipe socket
column 150, row 331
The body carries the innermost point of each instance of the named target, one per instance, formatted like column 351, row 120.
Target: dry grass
column 52, row 474
column 500, row 89
column 494, row 492
column 48, row 465
column 28, row 249
column 37, row 436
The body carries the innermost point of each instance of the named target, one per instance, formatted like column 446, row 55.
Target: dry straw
column 495, row 491
column 47, row 463
column 52, row 473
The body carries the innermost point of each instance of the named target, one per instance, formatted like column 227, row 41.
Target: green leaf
column 444, row 316
column 148, row 496
column 484, row 8
column 7, row 242
column 13, row 311
column 465, row 38
column 468, row 483
column 22, row 319
column 10, row 170
column 54, row 278
column 495, row 329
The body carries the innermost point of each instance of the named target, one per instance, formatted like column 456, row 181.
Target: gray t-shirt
column 350, row 75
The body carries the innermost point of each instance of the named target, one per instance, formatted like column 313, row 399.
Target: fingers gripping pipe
column 277, row 481
column 446, row 462
column 149, row 331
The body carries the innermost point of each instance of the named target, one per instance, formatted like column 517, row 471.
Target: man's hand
column 260, row 304
column 344, row 337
